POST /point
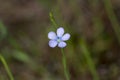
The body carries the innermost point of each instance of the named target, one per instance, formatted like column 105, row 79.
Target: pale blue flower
column 59, row 38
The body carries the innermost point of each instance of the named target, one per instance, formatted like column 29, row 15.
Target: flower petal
column 66, row 37
column 51, row 35
column 62, row 44
column 60, row 31
column 53, row 43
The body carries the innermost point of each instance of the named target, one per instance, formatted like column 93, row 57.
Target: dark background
column 93, row 24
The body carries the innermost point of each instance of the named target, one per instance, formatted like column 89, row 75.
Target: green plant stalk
column 65, row 65
column 6, row 67
column 112, row 17
column 89, row 60
column 53, row 20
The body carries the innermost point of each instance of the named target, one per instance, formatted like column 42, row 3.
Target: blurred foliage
column 93, row 50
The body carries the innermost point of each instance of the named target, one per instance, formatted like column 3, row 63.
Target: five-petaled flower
column 59, row 38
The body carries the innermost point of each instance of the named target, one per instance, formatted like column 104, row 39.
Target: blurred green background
column 93, row 49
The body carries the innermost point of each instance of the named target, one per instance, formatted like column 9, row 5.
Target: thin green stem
column 89, row 60
column 6, row 67
column 65, row 65
column 53, row 20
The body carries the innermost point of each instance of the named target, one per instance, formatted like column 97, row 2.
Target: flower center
column 59, row 39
